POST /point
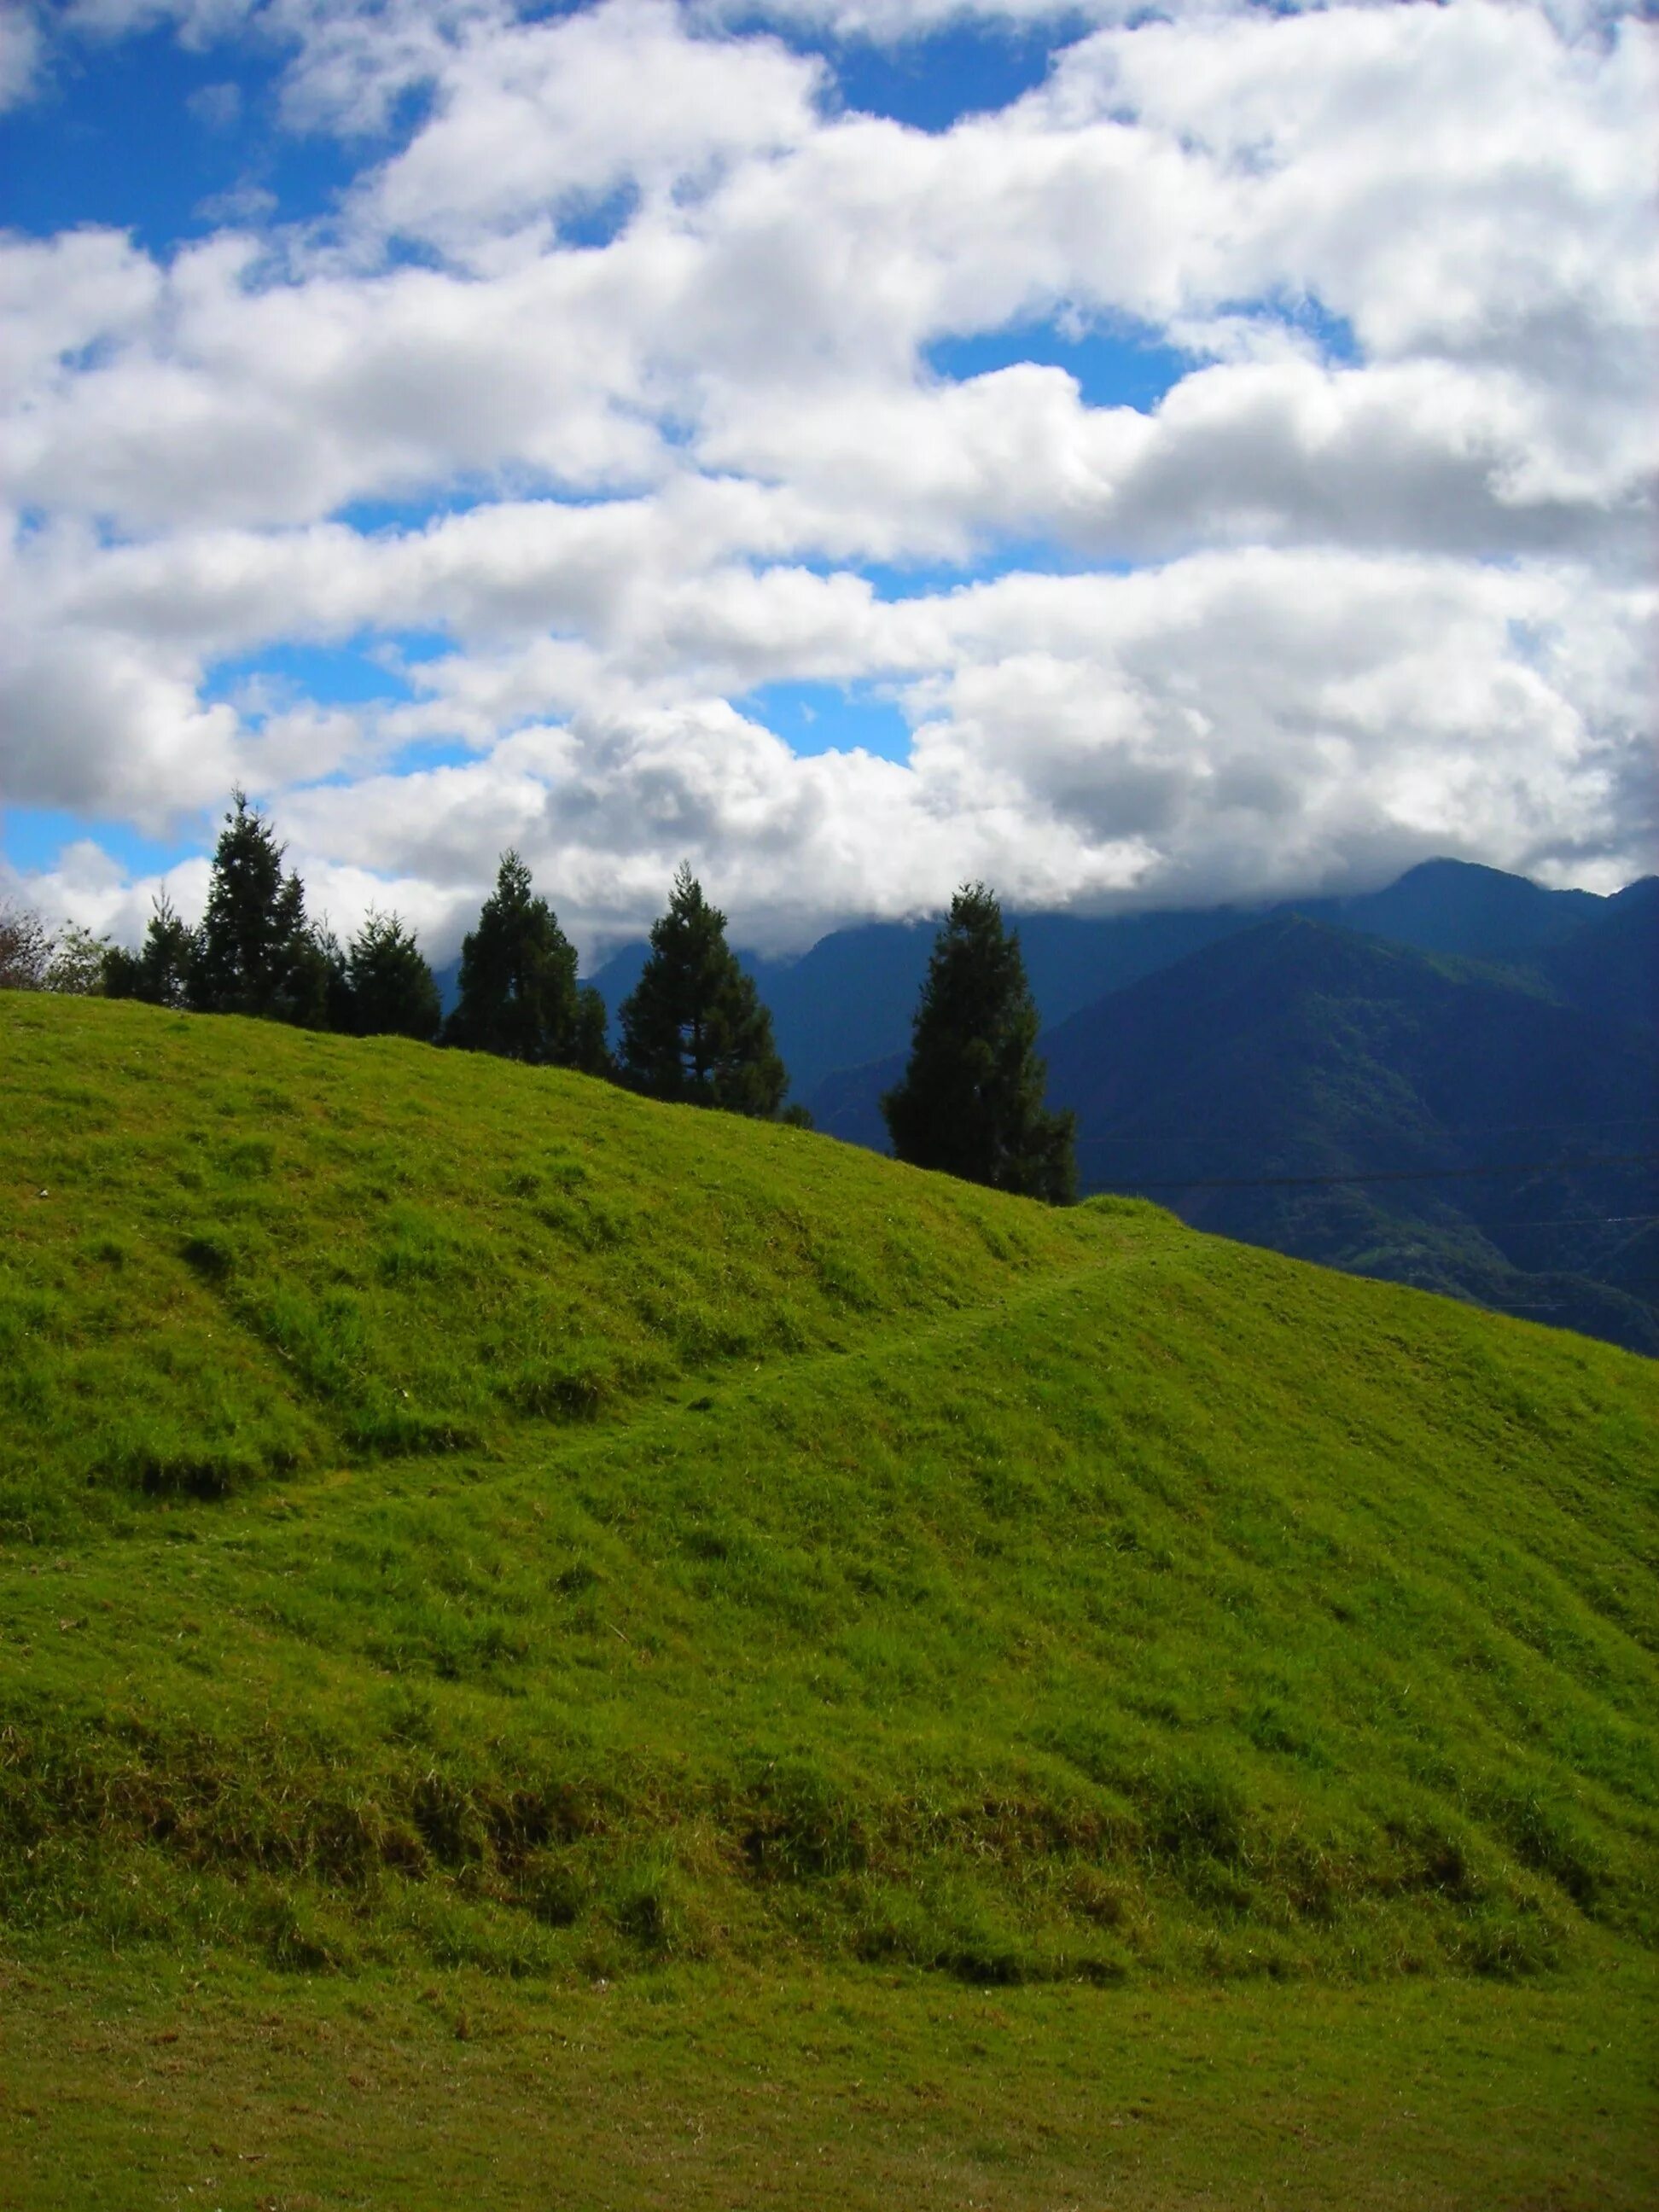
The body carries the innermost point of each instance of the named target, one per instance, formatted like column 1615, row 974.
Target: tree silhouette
column 391, row 990
column 26, row 948
column 519, row 994
column 159, row 971
column 971, row 1100
column 694, row 1028
column 254, row 953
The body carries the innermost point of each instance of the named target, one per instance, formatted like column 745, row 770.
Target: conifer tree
column 319, row 990
column 254, row 953
column 391, row 989
column 158, row 971
column 971, row 1101
column 519, row 994
column 694, row 1028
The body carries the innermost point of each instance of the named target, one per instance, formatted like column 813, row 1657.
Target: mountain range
column 849, row 999
column 1452, row 1082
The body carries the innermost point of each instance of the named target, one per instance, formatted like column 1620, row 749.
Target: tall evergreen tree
column 254, row 953
column 159, row 971
column 391, row 990
column 320, row 991
column 694, row 1028
column 971, row 1099
column 519, row 994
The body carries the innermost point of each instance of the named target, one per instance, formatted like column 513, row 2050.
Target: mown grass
column 710, row 2091
column 460, row 1520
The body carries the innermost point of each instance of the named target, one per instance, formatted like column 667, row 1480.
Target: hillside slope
column 456, row 1512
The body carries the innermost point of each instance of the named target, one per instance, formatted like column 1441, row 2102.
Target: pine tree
column 971, row 1099
column 159, row 971
column 694, row 1028
column 254, row 953
column 519, row 994
column 320, row 991
column 391, row 990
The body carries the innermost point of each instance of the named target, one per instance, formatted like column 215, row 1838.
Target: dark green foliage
column 320, row 991
column 392, row 989
column 159, row 972
column 519, row 993
column 254, row 953
column 971, row 1099
column 694, row 1028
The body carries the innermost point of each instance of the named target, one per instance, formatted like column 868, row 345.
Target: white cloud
column 216, row 107
column 533, row 120
column 1391, row 524
column 20, row 46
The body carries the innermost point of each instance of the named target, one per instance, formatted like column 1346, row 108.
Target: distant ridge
column 848, row 1000
column 1298, row 1047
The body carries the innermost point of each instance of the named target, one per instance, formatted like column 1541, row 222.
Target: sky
column 1134, row 455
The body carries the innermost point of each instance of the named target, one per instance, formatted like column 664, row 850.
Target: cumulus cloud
column 536, row 119
column 647, row 315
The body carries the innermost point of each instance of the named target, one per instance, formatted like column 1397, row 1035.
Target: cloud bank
column 617, row 393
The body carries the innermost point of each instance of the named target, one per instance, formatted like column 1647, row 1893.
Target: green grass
column 694, row 2090
column 461, row 1522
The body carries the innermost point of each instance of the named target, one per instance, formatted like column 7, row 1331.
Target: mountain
column 1299, row 1051
column 1611, row 965
column 849, row 1000
column 1457, row 907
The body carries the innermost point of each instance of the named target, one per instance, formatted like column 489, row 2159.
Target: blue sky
column 621, row 429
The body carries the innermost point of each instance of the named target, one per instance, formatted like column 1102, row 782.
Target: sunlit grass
column 460, row 1520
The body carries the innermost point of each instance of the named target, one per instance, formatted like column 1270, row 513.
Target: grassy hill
column 458, row 1519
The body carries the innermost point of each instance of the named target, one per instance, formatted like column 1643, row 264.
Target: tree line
column 693, row 1031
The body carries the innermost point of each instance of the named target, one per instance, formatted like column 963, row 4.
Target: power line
column 1481, row 1129
column 1571, row 1221
column 1384, row 1175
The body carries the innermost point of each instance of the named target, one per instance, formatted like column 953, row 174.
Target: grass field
column 696, row 2088
column 491, row 1568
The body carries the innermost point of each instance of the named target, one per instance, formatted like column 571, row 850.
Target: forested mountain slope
column 849, row 1000
column 1295, row 1050
column 1474, row 1096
